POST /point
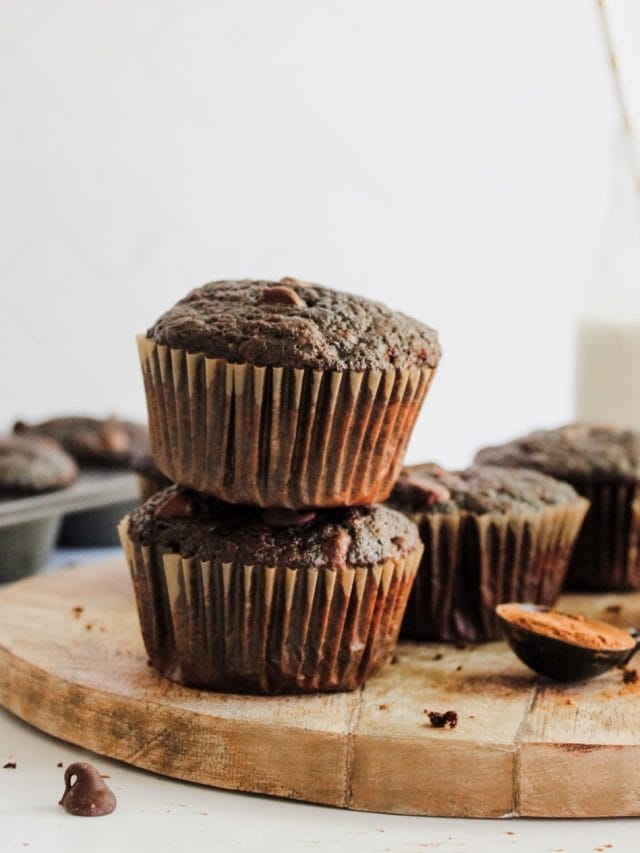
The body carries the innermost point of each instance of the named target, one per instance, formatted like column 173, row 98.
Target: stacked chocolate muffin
column 282, row 410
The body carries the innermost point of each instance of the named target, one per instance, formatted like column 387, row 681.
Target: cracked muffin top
column 480, row 489
column 577, row 451
column 291, row 323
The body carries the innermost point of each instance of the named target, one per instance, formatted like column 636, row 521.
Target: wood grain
column 521, row 746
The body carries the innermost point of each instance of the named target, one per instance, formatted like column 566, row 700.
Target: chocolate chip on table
column 281, row 295
column 85, row 792
column 442, row 719
column 280, row 517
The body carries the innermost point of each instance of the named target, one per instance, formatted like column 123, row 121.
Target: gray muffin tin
column 87, row 512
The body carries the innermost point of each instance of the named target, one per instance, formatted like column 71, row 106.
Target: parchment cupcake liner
column 607, row 554
column 240, row 628
column 472, row 563
column 276, row 436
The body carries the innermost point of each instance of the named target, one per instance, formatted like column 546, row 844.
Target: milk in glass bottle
column 607, row 387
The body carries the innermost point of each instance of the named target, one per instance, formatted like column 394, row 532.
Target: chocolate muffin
column 31, row 465
column 91, row 441
column 491, row 535
column 284, row 393
column 602, row 464
column 248, row 600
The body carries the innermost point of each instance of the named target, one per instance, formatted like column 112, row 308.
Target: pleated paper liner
column 276, row 436
column 472, row 563
column 259, row 629
column 607, row 553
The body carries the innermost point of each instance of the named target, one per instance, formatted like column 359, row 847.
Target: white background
column 449, row 158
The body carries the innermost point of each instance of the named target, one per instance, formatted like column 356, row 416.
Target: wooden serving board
column 522, row 746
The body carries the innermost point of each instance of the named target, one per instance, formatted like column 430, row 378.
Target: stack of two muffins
column 282, row 411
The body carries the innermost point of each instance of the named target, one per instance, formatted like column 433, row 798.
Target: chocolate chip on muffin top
column 29, row 465
column 294, row 324
column 196, row 525
column 575, row 451
column 479, row 489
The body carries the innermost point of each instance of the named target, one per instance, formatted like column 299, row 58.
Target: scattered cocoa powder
column 577, row 630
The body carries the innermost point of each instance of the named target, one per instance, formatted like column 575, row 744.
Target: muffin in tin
column 108, row 442
column 602, row 464
column 248, row 600
column 31, row 465
column 284, row 393
column 491, row 535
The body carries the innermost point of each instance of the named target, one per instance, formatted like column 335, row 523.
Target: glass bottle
column 607, row 377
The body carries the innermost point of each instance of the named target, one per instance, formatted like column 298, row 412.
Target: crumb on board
column 10, row 765
column 383, row 707
column 459, row 667
column 442, row 719
column 59, row 764
column 77, row 611
column 395, row 659
column 629, row 676
column 437, row 656
column 89, row 626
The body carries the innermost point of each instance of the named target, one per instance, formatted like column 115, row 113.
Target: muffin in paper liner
column 602, row 463
column 607, row 554
column 279, row 436
column 473, row 563
column 238, row 628
column 491, row 535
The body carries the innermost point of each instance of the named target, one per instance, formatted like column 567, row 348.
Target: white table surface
column 166, row 815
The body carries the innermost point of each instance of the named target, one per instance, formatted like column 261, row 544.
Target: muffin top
column 294, row 324
column 195, row 525
column 480, row 489
column 576, row 451
column 32, row 465
column 110, row 441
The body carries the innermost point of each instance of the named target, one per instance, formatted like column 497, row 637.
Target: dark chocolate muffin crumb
column 354, row 536
column 10, row 765
column 294, row 324
column 29, row 465
column 575, row 451
column 629, row 676
column 480, row 489
column 442, row 719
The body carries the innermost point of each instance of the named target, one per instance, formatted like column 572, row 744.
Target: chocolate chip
column 181, row 504
column 281, row 295
column 442, row 719
column 114, row 440
column 280, row 517
column 85, row 792
column 420, row 492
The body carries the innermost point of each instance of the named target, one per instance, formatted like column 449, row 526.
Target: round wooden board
column 521, row 747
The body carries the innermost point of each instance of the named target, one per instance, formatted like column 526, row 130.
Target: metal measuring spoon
column 560, row 659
